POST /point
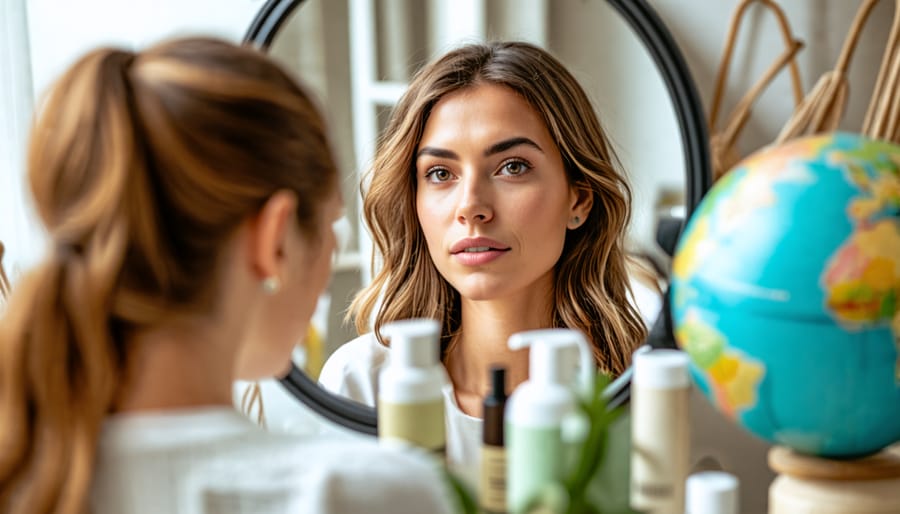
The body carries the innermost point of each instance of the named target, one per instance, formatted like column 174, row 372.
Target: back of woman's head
column 141, row 166
column 591, row 292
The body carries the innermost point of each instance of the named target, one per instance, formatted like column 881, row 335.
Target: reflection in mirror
column 593, row 43
column 596, row 46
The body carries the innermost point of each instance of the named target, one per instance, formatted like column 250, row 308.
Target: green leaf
column 465, row 500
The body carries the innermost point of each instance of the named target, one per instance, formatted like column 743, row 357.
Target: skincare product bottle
column 712, row 492
column 492, row 483
column 538, row 409
column 410, row 401
column 660, row 436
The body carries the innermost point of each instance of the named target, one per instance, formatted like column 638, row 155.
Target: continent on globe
column 786, row 294
column 734, row 377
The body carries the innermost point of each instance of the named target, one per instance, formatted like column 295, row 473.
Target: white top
column 213, row 460
column 352, row 372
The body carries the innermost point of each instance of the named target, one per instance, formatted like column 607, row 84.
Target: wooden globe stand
column 812, row 485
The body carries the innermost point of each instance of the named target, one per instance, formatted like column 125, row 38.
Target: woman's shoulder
column 334, row 475
column 352, row 370
column 250, row 470
column 362, row 476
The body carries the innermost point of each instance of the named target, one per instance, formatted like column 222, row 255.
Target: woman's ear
column 582, row 200
column 268, row 235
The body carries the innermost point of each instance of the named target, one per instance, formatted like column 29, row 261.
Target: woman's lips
column 477, row 243
column 479, row 257
column 477, row 251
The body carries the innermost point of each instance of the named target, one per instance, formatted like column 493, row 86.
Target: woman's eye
column 438, row 175
column 514, row 167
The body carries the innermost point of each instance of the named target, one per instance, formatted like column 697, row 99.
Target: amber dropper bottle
column 492, row 486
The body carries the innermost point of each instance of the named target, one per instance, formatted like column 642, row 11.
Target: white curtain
column 18, row 230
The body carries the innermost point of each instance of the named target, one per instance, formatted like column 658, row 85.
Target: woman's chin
column 483, row 291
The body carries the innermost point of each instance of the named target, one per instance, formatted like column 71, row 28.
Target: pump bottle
column 539, row 407
column 410, row 401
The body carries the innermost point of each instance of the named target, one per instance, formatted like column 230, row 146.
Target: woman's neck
column 177, row 367
column 482, row 343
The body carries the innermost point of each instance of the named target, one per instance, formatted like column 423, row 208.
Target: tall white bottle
column 660, row 432
column 410, row 401
column 539, row 407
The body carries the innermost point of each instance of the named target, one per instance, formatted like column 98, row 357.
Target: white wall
column 61, row 30
column 630, row 98
column 42, row 38
column 18, row 230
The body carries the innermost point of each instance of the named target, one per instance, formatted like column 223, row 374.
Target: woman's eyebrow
column 512, row 142
column 437, row 152
column 496, row 148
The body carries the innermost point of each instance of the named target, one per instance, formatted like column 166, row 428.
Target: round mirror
column 357, row 56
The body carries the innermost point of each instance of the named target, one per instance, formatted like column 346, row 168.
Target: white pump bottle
column 538, row 408
column 410, row 401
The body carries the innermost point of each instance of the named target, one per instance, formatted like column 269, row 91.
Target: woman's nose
column 474, row 202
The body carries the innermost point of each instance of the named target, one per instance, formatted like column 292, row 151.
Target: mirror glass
column 589, row 37
column 630, row 96
column 317, row 43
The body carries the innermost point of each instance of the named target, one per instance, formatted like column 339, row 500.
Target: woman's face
column 492, row 195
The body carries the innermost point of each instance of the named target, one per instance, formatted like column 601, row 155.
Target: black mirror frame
column 659, row 43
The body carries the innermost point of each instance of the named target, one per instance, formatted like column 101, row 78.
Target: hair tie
column 128, row 61
column 65, row 250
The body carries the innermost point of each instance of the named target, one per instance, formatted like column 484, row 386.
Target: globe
column 786, row 294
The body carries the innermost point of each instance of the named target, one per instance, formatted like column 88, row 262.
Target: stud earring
column 271, row 285
column 575, row 222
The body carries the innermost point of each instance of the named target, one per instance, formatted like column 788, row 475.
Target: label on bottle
column 420, row 424
column 660, row 443
column 492, row 490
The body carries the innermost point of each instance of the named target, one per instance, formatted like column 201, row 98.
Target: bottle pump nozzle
column 413, row 341
column 555, row 353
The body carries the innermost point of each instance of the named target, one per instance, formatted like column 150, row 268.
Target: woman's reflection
column 497, row 206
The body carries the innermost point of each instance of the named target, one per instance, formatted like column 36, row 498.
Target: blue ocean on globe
column 786, row 294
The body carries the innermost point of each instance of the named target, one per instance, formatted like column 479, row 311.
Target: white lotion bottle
column 660, row 431
column 538, row 409
column 410, row 401
column 712, row 492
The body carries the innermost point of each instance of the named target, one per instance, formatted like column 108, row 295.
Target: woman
column 188, row 191
column 496, row 205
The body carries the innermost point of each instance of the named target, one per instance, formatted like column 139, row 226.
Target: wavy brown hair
column 141, row 166
column 591, row 289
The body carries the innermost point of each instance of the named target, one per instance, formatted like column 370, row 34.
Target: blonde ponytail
column 59, row 354
column 141, row 167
